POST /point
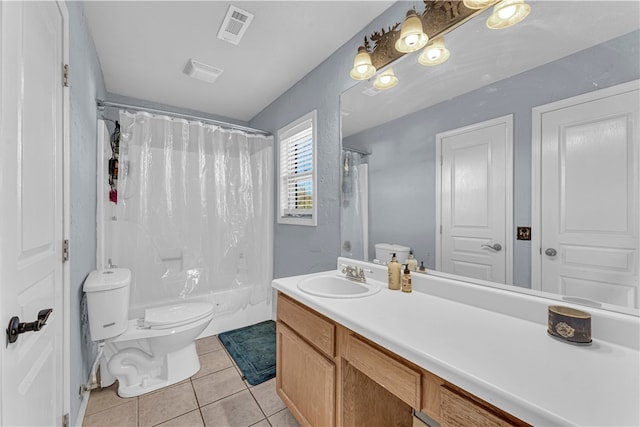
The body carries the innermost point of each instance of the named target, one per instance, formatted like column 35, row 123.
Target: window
column 297, row 171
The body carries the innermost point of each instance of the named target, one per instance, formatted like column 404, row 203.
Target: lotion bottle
column 394, row 273
column 406, row 279
column 412, row 263
column 422, row 268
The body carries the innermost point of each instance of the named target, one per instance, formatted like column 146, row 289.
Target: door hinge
column 65, row 250
column 65, row 420
column 66, row 75
column 441, row 229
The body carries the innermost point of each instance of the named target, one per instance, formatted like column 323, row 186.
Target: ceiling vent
column 372, row 91
column 235, row 24
column 201, row 71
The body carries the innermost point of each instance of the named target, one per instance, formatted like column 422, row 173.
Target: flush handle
column 496, row 247
column 16, row 328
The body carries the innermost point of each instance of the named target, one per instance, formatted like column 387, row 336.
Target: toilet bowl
column 148, row 353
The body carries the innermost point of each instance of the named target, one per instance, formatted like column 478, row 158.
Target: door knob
column 551, row 252
column 16, row 328
column 496, row 247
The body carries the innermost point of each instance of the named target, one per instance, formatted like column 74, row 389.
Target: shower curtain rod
column 353, row 150
column 101, row 103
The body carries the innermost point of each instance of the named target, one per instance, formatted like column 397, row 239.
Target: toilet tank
column 108, row 302
column 385, row 250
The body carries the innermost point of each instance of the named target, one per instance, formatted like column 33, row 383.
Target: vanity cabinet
column 328, row 375
column 305, row 369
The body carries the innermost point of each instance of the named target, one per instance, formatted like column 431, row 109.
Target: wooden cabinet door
column 305, row 379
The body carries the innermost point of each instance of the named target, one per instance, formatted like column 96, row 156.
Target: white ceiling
column 143, row 47
column 480, row 56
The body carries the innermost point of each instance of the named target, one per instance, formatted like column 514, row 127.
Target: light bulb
column 507, row 12
column 362, row 67
column 434, row 54
column 411, row 40
column 386, row 80
column 412, row 36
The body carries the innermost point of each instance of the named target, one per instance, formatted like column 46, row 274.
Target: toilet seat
column 171, row 316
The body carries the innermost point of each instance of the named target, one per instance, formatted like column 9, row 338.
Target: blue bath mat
column 253, row 348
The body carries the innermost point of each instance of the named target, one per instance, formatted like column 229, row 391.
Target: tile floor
column 216, row 396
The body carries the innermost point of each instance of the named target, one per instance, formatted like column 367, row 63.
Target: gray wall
column 86, row 85
column 402, row 164
column 301, row 249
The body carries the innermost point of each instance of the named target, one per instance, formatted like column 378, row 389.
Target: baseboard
column 87, row 393
column 83, row 406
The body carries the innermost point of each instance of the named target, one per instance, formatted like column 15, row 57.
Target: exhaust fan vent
column 201, row 71
column 235, row 24
column 372, row 91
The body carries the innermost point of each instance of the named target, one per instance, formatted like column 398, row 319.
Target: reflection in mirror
column 569, row 66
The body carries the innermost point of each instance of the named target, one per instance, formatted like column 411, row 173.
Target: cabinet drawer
column 397, row 378
column 458, row 410
column 309, row 325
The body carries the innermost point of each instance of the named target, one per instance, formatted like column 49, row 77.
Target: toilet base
column 176, row 366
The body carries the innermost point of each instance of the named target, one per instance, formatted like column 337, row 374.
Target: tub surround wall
column 86, row 84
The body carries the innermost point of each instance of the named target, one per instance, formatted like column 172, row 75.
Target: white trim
column 66, row 234
column 101, row 203
column 536, row 163
column 86, row 392
column 509, row 236
column 438, row 257
column 364, row 195
column 285, row 132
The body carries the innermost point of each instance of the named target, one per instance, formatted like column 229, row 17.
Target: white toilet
column 148, row 353
column 384, row 251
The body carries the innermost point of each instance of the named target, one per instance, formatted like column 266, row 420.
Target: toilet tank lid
column 103, row 280
column 392, row 247
column 176, row 313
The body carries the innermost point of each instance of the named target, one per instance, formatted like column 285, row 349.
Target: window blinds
column 296, row 171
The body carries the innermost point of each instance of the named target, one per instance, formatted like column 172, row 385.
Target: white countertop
column 505, row 359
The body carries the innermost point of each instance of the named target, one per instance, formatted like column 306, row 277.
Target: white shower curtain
column 354, row 215
column 194, row 212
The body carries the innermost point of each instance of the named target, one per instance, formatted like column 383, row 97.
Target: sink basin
column 336, row 287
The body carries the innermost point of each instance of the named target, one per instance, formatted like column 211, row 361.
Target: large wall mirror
column 413, row 173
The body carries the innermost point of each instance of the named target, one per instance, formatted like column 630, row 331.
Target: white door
column 589, row 189
column 31, row 210
column 475, row 220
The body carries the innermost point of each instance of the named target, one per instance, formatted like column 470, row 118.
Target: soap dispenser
column 406, row 279
column 412, row 262
column 422, row 268
column 394, row 273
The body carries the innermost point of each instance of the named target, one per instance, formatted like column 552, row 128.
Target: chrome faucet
column 354, row 273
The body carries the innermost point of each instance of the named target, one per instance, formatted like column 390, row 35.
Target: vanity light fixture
column 386, row 80
column 362, row 67
column 412, row 37
column 438, row 18
column 435, row 53
column 508, row 13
